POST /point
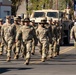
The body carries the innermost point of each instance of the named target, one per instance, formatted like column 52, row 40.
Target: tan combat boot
column 50, row 56
column 33, row 52
column 27, row 62
column 43, row 59
column 8, row 59
column 55, row 54
column 0, row 52
column 16, row 56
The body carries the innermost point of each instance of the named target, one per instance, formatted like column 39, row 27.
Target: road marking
column 66, row 50
column 61, row 52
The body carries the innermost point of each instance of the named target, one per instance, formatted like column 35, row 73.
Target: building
column 5, row 8
column 22, row 8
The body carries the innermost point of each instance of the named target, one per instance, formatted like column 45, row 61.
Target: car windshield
column 52, row 14
column 39, row 14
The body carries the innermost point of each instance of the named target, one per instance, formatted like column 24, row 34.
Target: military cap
column 45, row 19
column 42, row 22
column 27, row 20
column 1, row 20
column 49, row 19
column 22, row 20
column 19, row 17
column 15, row 18
column 33, row 21
column 7, row 17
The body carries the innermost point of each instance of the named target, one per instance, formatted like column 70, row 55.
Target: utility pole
column 57, row 4
column 27, row 8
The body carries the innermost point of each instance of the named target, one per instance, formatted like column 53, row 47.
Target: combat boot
column 43, row 59
column 50, row 56
column 8, row 59
column 16, row 56
column 33, row 53
column 40, row 52
column 27, row 62
column 0, row 52
column 55, row 54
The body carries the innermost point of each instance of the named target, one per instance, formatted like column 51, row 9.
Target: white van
column 40, row 14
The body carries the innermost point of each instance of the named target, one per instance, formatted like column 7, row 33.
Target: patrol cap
column 1, row 20
column 15, row 18
column 22, row 20
column 19, row 17
column 8, row 17
column 49, row 19
column 42, row 22
column 27, row 20
column 33, row 21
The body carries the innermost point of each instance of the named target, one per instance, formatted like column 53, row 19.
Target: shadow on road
column 3, row 70
column 71, row 44
column 63, row 59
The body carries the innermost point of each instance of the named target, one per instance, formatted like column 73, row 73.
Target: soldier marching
column 23, row 36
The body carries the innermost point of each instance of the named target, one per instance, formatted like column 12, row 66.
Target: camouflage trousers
column 44, row 47
column 1, row 47
column 33, row 46
column 58, row 46
column 16, row 47
column 27, row 49
column 8, row 46
column 53, row 48
column 75, row 44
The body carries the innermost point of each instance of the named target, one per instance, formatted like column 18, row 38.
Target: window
column 39, row 14
column 52, row 14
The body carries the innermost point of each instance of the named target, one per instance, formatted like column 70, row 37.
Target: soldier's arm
column 2, row 32
column 34, row 36
column 72, row 33
column 18, row 35
column 49, row 35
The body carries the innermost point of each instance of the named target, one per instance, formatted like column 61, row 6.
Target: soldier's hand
column 71, row 37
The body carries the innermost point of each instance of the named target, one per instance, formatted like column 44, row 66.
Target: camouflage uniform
column 8, row 36
column 43, row 36
column 73, row 34
column 59, row 31
column 1, row 42
column 17, row 45
column 54, row 43
column 33, row 41
column 27, row 34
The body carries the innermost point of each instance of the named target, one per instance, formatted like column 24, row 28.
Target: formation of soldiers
column 23, row 36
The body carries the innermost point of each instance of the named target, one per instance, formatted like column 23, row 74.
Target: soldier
column 17, row 45
column 8, row 35
column 1, row 42
column 22, row 22
column 73, row 33
column 33, row 42
column 50, row 22
column 19, row 20
column 59, row 32
column 43, row 35
column 54, row 35
column 27, row 33
column 22, row 47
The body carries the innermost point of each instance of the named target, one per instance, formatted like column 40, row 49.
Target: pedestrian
column 8, row 35
column 27, row 33
column 43, row 35
column 73, row 33
column 1, row 41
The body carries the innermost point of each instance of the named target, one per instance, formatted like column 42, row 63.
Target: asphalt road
column 64, row 64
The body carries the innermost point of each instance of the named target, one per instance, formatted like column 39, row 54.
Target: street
column 64, row 64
